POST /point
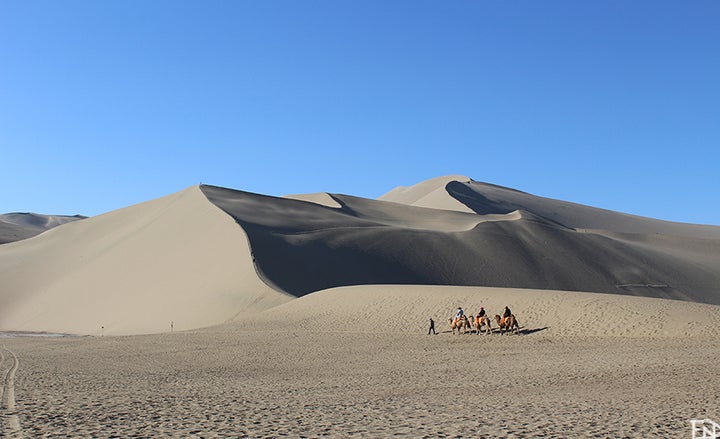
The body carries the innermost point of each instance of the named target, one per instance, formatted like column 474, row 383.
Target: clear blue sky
column 614, row 104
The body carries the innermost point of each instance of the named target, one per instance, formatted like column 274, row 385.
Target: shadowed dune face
column 304, row 247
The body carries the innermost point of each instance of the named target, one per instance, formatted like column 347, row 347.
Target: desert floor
column 233, row 381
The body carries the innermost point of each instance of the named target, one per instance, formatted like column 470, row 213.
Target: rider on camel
column 507, row 313
column 481, row 315
column 460, row 314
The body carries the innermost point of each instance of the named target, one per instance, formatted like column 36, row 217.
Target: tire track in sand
column 2, row 385
column 9, row 422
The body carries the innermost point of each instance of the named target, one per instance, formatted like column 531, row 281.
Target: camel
column 507, row 323
column 461, row 323
column 483, row 321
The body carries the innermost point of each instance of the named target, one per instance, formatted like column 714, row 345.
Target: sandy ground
column 358, row 362
column 233, row 382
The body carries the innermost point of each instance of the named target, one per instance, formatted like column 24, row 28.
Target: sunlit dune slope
column 135, row 270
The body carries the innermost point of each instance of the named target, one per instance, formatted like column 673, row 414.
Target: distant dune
column 208, row 255
column 18, row 226
column 430, row 193
column 484, row 198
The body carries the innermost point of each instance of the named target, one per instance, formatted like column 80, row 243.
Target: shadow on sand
column 523, row 331
column 526, row 331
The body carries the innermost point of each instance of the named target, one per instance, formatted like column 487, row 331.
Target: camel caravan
column 482, row 322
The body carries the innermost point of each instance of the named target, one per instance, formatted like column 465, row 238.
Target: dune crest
column 429, row 193
column 322, row 198
column 486, row 198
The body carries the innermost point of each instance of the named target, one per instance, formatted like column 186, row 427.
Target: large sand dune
column 208, row 255
column 304, row 247
column 175, row 259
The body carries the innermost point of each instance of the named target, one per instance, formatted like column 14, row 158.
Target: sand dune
column 134, row 270
column 18, row 226
column 484, row 198
column 399, row 309
column 207, row 255
column 304, row 247
column 430, row 193
column 455, row 192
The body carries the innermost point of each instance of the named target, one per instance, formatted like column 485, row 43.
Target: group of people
column 460, row 314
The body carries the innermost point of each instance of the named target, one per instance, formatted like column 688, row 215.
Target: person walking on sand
column 432, row 327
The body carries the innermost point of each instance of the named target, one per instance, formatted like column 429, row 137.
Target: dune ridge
column 322, row 198
column 485, row 198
